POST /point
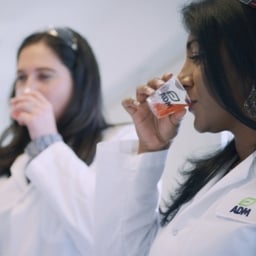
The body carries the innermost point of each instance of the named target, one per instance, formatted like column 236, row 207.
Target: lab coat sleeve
column 67, row 184
column 126, row 199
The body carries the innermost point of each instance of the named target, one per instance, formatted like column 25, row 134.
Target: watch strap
column 36, row 146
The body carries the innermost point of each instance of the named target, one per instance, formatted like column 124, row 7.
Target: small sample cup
column 169, row 98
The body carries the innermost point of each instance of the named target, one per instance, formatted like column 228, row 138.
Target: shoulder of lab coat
column 67, row 184
column 58, row 199
column 212, row 217
column 62, row 184
column 126, row 198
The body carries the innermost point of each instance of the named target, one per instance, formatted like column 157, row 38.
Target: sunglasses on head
column 251, row 3
column 65, row 34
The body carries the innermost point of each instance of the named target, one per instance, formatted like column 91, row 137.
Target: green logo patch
column 247, row 201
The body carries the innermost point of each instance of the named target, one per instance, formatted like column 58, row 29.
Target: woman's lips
column 188, row 101
column 191, row 105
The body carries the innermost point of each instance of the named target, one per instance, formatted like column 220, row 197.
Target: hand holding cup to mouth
column 31, row 109
column 157, row 112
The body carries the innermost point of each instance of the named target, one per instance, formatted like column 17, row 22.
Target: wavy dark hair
column 217, row 24
column 82, row 125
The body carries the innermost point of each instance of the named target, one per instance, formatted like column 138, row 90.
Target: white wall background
column 133, row 40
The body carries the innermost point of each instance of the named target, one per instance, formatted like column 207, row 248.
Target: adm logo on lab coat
column 242, row 207
column 238, row 205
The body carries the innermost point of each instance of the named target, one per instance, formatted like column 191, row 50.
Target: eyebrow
column 39, row 69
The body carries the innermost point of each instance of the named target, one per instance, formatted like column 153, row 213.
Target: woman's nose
column 185, row 75
column 28, row 86
column 31, row 83
column 186, row 80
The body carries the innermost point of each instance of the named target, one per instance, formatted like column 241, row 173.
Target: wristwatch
column 35, row 147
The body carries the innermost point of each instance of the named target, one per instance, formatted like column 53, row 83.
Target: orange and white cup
column 168, row 99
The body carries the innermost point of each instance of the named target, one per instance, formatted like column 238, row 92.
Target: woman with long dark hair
column 47, row 154
column 213, row 212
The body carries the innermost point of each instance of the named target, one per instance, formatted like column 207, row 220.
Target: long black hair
column 216, row 24
column 82, row 125
column 227, row 24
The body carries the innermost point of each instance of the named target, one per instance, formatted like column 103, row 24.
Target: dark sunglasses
column 65, row 34
column 251, row 3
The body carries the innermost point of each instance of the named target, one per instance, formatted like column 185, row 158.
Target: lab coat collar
column 238, row 174
column 242, row 171
column 241, row 174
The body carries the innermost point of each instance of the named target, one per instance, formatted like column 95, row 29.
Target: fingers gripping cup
column 169, row 98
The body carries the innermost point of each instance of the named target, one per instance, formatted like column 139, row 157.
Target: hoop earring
column 250, row 104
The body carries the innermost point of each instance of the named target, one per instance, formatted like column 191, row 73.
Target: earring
column 250, row 104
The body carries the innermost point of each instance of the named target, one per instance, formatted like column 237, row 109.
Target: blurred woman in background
column 47, row 153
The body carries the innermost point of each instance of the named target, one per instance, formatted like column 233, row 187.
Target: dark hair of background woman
column 218, row 23
column 82, row 124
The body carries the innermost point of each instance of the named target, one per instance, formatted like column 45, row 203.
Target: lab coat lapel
column 214, row 190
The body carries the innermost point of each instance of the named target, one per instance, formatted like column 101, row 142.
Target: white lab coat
column 52, row 214
column 219, row 221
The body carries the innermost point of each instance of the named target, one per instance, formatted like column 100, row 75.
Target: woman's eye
column 20, row 78
column 44, row 76
column 196, row 58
